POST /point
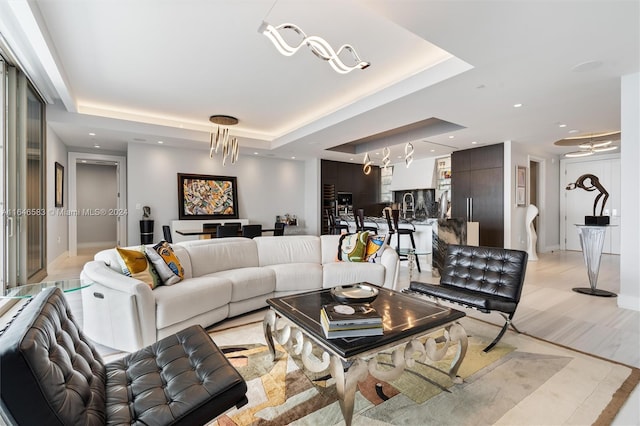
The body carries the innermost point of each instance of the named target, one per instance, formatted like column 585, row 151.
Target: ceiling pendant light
column 221, row 139
column 386, row 153
column 318, row 46
column 366, row 167
column 408, row 154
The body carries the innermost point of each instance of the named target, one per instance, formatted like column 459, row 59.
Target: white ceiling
column 148, row 70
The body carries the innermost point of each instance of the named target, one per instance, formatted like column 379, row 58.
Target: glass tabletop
column 29, row 290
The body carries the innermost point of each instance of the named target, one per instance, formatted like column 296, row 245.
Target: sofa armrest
column 391, row 263
column 118, row 311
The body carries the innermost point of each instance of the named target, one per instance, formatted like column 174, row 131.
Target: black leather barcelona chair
column 52, row 375
column 484, row 278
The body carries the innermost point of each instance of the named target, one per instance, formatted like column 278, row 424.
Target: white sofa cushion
column 288, row 249
column 189, row 298
column 329, row 244
column 248, row 282
column 344, row 273
column 220, row 254
column 297, row 276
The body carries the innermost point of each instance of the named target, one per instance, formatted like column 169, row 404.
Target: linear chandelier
column 591, row 148
column 318, row 46
column 222, row 140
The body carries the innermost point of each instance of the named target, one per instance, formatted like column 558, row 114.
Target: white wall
column 549, row 198
column 629, row 296
column 96, row 189
column 57, row 224
column 267, row 187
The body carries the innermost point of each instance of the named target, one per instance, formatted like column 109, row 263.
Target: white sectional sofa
column 223, row 278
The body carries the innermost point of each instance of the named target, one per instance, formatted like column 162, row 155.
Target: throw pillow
column 353, row 247
column 134, row 264
column 166, row 263
column 375, row 247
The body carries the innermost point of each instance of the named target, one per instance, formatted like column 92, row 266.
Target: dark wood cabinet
column 336, row 176
column 477, row 190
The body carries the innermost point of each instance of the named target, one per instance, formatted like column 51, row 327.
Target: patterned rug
column 523, row 380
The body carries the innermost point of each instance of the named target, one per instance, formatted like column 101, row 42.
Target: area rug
column 523, row 380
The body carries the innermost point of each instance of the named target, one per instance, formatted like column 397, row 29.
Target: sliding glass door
column 24, row 204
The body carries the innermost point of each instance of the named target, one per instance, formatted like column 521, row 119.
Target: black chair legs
column 507, row 323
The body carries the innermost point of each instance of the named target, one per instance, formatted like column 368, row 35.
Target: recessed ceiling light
column 399, row 156
column 255, row 153
column 92, row 134
column 473, row 142
column 351, row 159
column 377, row 153
column 83, row 161
column 293, row 158
column 517, row 105
column 451, row 137
column 432, row 150
column 562, row 125
column 96, row 146
column 160, row 142
column 573, row 131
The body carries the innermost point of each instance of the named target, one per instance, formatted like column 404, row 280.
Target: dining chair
column 252, row 231
column 211, row 228
column 166, row 231
column 278, row 229
column 225, row 231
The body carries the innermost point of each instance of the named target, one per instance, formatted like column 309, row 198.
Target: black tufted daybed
column 485, row 278
column 50, row 374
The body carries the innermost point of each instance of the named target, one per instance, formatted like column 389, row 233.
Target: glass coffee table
column 27, row 291
column 294, row 322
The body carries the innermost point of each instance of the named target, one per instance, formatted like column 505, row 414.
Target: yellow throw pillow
column 135, row 265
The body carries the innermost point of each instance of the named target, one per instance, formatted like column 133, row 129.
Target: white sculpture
column 532, row 238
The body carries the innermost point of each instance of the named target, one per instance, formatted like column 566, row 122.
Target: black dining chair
column 278, row 229
column 238, row 225
column 166, row 231
column 211, row 228
column 252, row 231
column 225, row 231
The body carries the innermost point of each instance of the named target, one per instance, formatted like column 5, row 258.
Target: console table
column 592, row 242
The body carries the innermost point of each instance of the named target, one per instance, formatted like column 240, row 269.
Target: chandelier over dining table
column 221, row 140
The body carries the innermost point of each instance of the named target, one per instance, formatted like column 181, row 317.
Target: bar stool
column 335, row 227
column 395, row 229
column 360, row 226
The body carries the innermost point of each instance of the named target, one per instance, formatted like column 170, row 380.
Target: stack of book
column 353, row 320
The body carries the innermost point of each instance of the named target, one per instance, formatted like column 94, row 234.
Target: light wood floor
column 549, row 309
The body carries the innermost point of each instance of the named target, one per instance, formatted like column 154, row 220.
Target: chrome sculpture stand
column 348, row 372
column 592, row 243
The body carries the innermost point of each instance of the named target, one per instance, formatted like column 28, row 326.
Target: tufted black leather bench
column 50, row 374
column 485, row 278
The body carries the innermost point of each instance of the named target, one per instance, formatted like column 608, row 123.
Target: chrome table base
column 348, row 372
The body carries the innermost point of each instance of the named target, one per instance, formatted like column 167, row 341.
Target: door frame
column 541, row 196
column 121, row 177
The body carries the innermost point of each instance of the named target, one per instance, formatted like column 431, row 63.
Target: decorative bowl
column 354, row 293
